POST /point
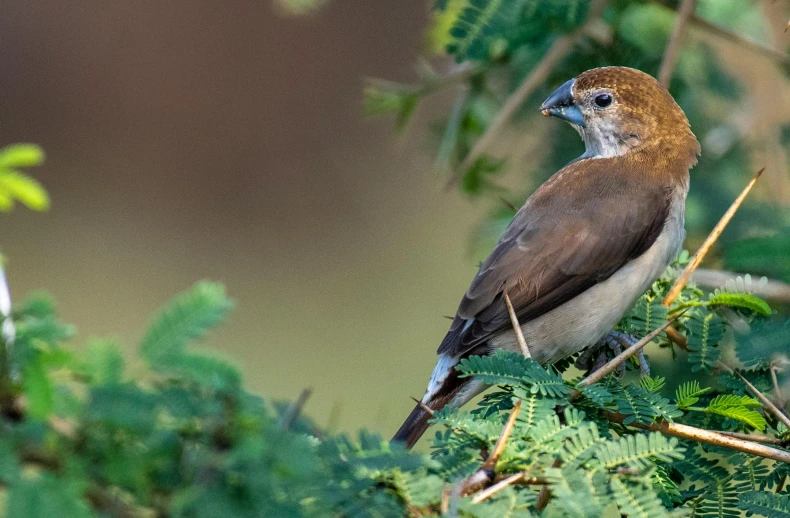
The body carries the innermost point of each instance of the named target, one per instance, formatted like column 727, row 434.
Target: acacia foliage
column 82, row 436
column 496, row 45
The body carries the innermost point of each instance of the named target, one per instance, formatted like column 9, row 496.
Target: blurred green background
column 225, row 140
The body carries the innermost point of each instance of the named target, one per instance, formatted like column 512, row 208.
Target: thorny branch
column 681, row 282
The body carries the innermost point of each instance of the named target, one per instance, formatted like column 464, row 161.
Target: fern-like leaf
column 740, row 300
column 705, row 330
column 689, row 393
column 636, row 499
column 764, row 503
column 575, row 493
column 509, row 368
column 739, row 408
column 476, row 25
column 639, row 451
column 187, row 316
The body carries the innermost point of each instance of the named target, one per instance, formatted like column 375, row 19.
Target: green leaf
column 38, row 390
column 761, row 255
column 45, row 495
column 647, row 316
column 688, row 394
column 388, row 98
column 188, row 316
column 477, row 25
column 123, row 406
column 738, row 408
column 652, row 384
column 598, row 394
column 103, row 362
column 705, row 330
column 509, row 368
column 575, row 493
column 206, row 371
column 636, row 499
column 534, row 409
column 742, row 301
column 24, row 189
column 639, row 451
column 21, row 155
column 765, row 503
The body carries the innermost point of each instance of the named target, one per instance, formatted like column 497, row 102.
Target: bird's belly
column 586, row 318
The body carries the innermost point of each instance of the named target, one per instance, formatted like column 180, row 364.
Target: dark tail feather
column 413, row 427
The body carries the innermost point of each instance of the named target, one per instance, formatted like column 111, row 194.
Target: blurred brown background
column 220, row 140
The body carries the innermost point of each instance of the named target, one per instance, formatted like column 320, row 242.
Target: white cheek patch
column 603, row 141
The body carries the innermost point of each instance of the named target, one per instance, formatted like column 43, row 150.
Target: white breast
column 586, row 318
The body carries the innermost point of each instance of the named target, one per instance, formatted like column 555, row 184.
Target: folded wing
column 562, row 242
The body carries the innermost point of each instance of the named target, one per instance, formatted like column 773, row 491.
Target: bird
column 586, row 244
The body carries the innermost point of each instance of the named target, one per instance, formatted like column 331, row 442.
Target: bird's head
column 619, row 110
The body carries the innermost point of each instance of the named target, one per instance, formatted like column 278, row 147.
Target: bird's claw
column 597, row 355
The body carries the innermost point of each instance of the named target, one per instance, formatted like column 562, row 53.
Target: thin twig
column 522, row 343
column 680, row 283
column 545, row 493
column 734, row 37
column 610, row 366
column 673, row 48
column 558, row 51
column 756, row 438
column 295, row 409
column 779, row 396
column 499, row 486
column 508, row 204
column 767, row 402
column 425, row 407
column 707, row 436
column 492, row 459
column 485, row 473
column 769, row 289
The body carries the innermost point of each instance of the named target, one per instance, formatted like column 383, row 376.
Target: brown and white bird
column 587, row 243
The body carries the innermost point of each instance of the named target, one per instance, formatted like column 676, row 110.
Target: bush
column 83, row 438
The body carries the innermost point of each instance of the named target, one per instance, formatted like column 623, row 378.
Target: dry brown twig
column 707, row 436
column 545, row 493
column 485, row 473
column 610, row 366
column 522, row 343
column 755, row 438
column 779, row 396
column 295, row 409
column 683, row 279
column 755, row 445
column 672, row 50
column 767, row 402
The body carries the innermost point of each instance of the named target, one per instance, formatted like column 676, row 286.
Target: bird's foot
column 597, row 355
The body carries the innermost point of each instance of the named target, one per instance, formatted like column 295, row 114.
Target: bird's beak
column 560, row 104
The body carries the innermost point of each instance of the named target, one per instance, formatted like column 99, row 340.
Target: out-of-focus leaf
column 761, row 255
column 21, row 155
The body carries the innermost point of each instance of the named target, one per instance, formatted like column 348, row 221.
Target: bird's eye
column 603, row 100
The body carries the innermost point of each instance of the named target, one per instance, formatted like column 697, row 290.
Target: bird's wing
column 577, row 230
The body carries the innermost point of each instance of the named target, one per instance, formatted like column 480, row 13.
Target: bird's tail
column 413, row 427
column 446, row 387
